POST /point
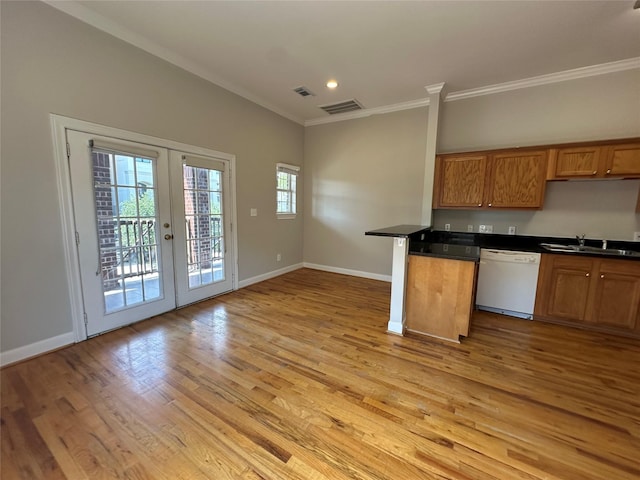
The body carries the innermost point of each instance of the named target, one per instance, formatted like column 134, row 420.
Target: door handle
column 168, row 236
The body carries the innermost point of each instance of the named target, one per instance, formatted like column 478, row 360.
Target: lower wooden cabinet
column 440, row 294
column 592, row 292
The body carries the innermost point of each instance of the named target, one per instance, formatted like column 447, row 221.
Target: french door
column 202, row 226
column 151, row 228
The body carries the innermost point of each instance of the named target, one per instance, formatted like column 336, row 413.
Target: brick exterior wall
column 199, row 224
column 107, row 234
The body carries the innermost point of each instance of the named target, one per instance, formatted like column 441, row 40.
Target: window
column 286, row 177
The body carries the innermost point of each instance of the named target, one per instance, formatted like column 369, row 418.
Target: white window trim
column 293, row 169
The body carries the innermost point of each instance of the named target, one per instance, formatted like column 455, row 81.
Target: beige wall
column 349, row 187
column 52, row 63
column 601, row 107
column 361, row 175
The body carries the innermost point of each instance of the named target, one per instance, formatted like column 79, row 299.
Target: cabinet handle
column 602, row 276
column 594, row 172
column 608, row 171
column 489, row 204
column 587, row 274
column 479, row 204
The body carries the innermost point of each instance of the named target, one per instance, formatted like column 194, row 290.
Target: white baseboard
column 268, row 275
column 346, row 271
column 53, row 343
column 37, row 348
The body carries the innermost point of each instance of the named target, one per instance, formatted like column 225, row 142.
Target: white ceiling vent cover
column 342, row 107
column 304, row 92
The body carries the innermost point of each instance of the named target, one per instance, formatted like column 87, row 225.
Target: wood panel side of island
column 440, row 294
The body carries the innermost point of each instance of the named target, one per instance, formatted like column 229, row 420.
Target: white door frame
column 59, row 125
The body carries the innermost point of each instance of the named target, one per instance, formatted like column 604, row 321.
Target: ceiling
column 382, row 53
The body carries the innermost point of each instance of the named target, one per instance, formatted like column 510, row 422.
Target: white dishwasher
column 507, row 282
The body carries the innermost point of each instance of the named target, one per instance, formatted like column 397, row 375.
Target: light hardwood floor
column 295, row 378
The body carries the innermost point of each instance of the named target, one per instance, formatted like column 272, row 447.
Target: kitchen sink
column 557, row 247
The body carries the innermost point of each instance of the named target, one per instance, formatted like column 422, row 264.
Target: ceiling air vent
column 342, row 107
column 304, row 92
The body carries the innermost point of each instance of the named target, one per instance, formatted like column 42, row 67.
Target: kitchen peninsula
column 435, row 273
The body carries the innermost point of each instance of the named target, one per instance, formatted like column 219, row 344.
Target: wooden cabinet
column 617, row 294
column 590, row 292
column 595, row 161
column 563, row 287
column 575, row 162
column 440, row 296
column 517, row 179
column 623, row 159
column 506, row 179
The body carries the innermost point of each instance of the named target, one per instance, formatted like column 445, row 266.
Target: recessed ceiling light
column 332, row 84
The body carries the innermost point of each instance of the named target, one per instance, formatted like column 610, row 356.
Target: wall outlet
column 489, row 228
column 485, row 229
column 636, row 236
column 278, row 257
column 254, row 212
column 469, row 228
column 512, row 230
column 447, row 227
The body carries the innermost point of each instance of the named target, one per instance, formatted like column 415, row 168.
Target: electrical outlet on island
column 447, row 227
column 636, row 236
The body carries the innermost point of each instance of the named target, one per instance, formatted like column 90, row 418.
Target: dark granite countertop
column 398, row 231
column 466, row 246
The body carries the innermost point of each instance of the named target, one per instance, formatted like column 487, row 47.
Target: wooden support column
column 435, row 99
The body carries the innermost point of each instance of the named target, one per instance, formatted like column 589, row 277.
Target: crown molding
column 367, row 112
column 100, row 22
column 574, row 74
column 436, row 88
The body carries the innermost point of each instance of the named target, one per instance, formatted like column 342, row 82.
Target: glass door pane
column 125, row 197
column 204, row 225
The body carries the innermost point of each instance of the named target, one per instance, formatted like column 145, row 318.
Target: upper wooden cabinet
column 460, row 181
column 623, row 160
column 595, row 161
column 506, row 179
column 517, row 179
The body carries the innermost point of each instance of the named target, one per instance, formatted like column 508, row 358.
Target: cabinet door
column 623, row 160
column 563, row 287
column 577, row 162
column 617, row 294
column 517, row 180
column 459, row 181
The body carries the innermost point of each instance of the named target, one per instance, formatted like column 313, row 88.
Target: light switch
column 254, row 212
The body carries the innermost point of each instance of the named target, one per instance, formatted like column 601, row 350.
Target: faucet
column 580, row 240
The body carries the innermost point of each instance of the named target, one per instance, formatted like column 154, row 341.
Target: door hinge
column 68, row 150
column 86, row 320
column 77, row 238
